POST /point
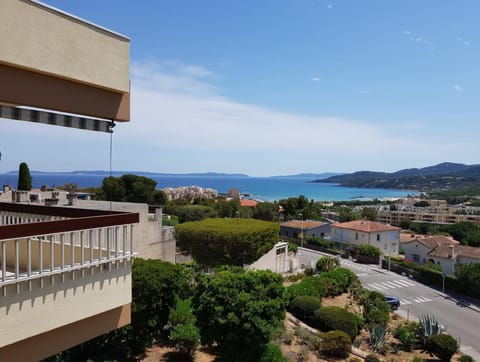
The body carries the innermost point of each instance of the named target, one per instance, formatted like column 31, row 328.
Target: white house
column 441, row 250
column 359, row 232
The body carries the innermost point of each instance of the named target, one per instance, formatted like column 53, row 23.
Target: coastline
column 260, row 188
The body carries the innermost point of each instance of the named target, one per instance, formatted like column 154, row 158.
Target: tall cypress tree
column 24, row 178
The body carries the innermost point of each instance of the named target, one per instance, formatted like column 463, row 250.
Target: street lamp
column 301, row 234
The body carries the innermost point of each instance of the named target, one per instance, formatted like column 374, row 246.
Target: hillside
column 444, row 176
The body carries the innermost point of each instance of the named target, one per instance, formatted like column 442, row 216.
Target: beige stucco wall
column 38, row 38
column 387, row 245
column 272, row 261
column 63, row 302
column 151, row 240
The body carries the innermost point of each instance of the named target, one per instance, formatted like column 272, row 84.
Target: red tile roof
column 248, row 203
column 307, row 224
column 365, row 226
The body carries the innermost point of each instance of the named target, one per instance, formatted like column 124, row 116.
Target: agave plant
column 430, row 326
column 377, row 338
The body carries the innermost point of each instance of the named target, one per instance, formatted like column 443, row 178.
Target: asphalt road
column 460, row 317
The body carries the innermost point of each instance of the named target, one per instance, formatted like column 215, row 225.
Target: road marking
column 404, row 301
column 421, row 299
column 404, row 283
column 375, row 286
column 354, row 266
column 387, row 286
column 394, row 285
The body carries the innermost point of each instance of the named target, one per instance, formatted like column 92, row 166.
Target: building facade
column 65, row 272
column 65, row 277
column 440, row 250
column 365, row 232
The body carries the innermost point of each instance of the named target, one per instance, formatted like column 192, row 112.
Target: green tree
column 422, row 203
column 130, row 188
column 183, row 332
column 187, row 213
column 24, row 178
column 267, row 211
column 113, row 189
column 347, row 214
column 468, row 276
column 156, row 287
column 215, row 242
column 240, row 311
column 159, row 197
column 369, row 213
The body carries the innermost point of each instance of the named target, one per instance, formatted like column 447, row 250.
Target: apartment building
column 65, row 272
column 396, row 217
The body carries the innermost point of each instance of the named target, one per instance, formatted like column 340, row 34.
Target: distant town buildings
column 190, row 193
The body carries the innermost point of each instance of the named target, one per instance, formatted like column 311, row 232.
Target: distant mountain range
column 312, row 176
column 444, row 176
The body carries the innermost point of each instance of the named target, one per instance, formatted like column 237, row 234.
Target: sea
column 258, row 188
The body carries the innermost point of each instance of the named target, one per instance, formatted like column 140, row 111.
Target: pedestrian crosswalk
column 419, row 299
column 398, row 283
column 348, row 265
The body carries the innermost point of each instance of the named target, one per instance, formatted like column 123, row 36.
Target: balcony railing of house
column 37, row 242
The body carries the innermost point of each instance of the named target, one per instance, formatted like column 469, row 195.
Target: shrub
column 354, row 359
column 417, row 359
column 442, row 346
column 292, row 247
column 326, row 263
column 271, row 353
column 301, row 289
column 368, row 250
column 372, row 358
column 304, row 307
column 186, row 338
column 336, row 343
column 334, row 318
column 407, row 334
column 466, row 358
column 309, row 272
column 337, row 281
column 376, row 311
column 310, row 285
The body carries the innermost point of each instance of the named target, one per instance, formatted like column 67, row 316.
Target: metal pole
column 301, row 239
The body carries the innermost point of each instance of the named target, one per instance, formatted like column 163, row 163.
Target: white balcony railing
column 51, row 241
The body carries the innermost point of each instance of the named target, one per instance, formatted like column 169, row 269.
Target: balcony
column 65, row 277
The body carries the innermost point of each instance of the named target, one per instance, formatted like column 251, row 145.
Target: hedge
column 334, row 318
column 336, row 344
column 303, row 307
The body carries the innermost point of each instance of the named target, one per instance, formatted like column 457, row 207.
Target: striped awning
column 55, row 119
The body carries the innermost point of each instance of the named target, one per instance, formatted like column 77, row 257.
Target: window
column 356, row 236
column 378, row 237
column 416, row 258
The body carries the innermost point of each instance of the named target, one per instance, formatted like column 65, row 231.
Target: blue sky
column 269, row 87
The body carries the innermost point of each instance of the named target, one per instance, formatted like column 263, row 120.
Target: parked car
column 392, row 301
